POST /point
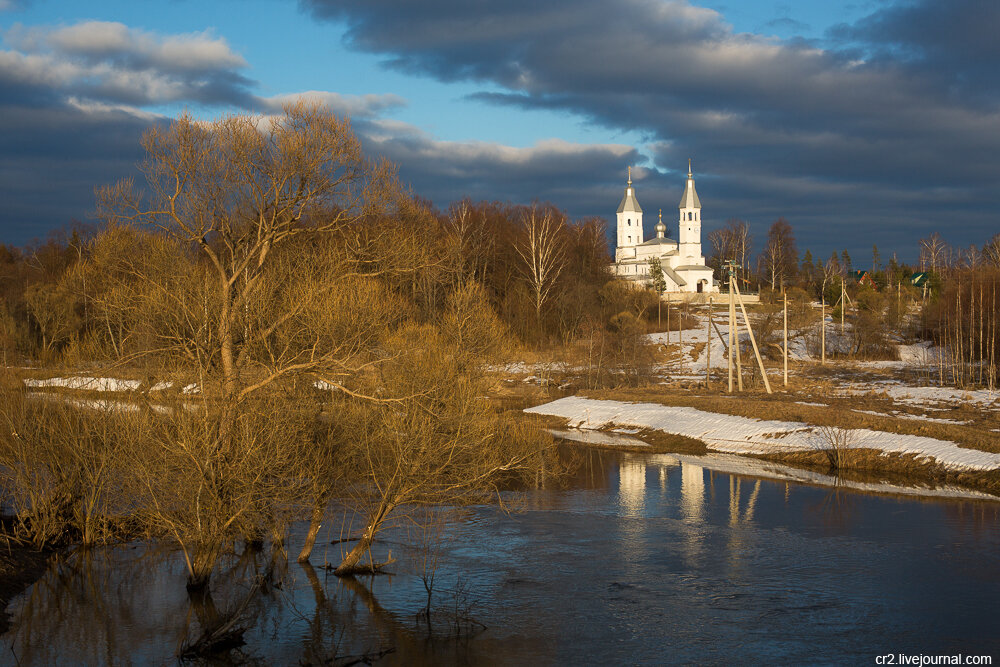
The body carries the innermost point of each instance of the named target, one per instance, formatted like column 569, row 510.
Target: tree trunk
column 226, row 341
column 315, row 523
column 201, row 565
column 349, row 565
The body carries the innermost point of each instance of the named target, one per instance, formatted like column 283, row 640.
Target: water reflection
column 692, row 491
column 641, row 557
column 632, row 485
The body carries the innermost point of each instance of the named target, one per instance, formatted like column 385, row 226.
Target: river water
column 638, row 559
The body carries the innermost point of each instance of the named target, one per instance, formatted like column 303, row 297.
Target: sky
column 865, row 122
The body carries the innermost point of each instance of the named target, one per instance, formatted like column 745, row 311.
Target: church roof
column 693, row 267
column 659, row 241
column 690, row 197
column 680, row 282
column 629, row 202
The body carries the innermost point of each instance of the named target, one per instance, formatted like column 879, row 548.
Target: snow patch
column 86, row 383
column 591, row 437
column 742, row 435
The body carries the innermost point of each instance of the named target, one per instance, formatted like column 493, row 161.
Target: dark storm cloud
column 866, row 134
column 444, row 171
column 53, row 160
column 71, row 105
column 955, row 41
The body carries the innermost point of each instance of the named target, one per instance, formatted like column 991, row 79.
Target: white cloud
column 106, row 40
column 354, row 106
column 112, row 63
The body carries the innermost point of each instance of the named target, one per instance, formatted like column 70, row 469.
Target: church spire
column 689, row 200
column 629, row 202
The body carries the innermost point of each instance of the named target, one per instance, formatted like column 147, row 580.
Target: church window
column 629, row 222
column 630, row 239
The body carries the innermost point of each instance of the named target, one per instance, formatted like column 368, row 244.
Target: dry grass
column 837, row 445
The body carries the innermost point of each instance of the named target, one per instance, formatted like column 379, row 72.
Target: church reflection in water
column 671, row 487
column 634, row 492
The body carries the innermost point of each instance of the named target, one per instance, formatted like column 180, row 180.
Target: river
column 637, row 558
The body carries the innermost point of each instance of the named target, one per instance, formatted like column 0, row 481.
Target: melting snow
column 741, row 435
column 87, row 383
column 598, row 438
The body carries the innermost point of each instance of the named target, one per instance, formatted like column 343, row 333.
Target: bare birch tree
column 542, row 251
column 933, row 252
column 732, row 242
column 780, row 256
column 991, row 250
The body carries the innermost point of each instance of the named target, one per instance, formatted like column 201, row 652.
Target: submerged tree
column 305, row 294
column 434, row 438
column 246, row 194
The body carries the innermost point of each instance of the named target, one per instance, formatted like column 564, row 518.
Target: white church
column 683, row 265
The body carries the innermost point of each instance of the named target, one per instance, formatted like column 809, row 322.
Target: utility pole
column 822, row 329
column 785, row 295
column 680, row 334
column 843, row 306
column 753, row 342
column 708, row 349
column 732, row 316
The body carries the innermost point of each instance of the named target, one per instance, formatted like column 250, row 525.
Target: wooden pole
column 993, row 334
column 786, row 338
column 753, row 341
column 843, row 306
column 732, row 312
column 708, row 349
column 668, row 323
column 680, row 335
column 735, row 328
column 822, row 329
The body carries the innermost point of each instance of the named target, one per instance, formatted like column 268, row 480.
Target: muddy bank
column 19, row 568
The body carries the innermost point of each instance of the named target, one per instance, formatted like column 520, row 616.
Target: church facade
column 683, row 264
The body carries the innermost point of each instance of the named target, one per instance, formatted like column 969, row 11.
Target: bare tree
column 780, row 256
column 732, row 242
column 435, row 439
column 263, row 219
column 933, row 253
column 241, row 188
column 543, row 254
column 991, row 251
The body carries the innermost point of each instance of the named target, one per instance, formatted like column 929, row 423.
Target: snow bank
column 87, row 383
column 741, row 435
column 598, row 438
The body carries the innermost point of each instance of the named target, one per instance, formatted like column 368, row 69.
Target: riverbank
column 917, row 457
column 20, row 566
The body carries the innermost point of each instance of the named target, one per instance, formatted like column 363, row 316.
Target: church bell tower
column 689, row 225
column 629, row 218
